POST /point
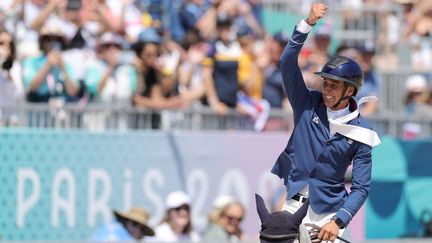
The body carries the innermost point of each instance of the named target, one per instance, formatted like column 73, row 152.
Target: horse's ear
column 298, row 216
column 261, row 208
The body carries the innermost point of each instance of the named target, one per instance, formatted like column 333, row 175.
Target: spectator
column 82, row 21
column 191, row 85
column 318, row 56
column 423, row 22
column 251, row 66
column 11, row 90
column 48, row 75
column 225, row 222
column 151, row 79
column 177, row 225
column 131, row 19
column 273, row 89
column 108, row 79
column 24, row 13
column 240, row 12
column 221, row 67
column 243, row 17
column 250, row 76
column 417, row 97
column 127, row 226
column 372, row 80
column 190, row 13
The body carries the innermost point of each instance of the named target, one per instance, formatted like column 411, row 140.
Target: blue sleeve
column 295, row 87
column 188, row 20
column 361, row 180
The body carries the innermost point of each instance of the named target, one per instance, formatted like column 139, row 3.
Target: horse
column 282, row 226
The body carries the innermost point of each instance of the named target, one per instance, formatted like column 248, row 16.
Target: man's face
column 333, row 91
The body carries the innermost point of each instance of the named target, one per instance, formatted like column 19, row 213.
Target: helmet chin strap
column 344, row 97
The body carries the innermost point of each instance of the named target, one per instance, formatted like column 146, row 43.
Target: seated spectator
column 48, row 75
column 225, row 221
column 177, row 225
column 127, row 226
column 108, row 79
column 417, row 97
column 11, row 90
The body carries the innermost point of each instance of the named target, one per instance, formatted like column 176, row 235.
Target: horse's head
column 282, row 227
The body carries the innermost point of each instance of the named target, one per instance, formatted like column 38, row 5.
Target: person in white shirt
column 176, row 225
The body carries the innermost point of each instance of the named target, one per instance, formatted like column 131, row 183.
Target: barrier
column 61, row 184
column 106, row 116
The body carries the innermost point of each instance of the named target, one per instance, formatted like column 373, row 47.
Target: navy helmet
column 343, row 69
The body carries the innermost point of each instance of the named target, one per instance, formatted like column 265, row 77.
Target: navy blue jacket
column 314, row 157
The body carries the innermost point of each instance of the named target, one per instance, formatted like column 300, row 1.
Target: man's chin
column 328, row 104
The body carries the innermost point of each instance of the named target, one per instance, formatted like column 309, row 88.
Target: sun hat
column 138, row 215
column 176, row 199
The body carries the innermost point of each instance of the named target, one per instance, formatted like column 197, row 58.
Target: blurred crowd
column 224, row 223
column 181, row 54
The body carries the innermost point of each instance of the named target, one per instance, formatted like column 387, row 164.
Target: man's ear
column 351, row 90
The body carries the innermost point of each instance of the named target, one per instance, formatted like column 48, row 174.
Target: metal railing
column 101, row 117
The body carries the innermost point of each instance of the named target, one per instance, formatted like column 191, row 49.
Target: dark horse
column 282, row 227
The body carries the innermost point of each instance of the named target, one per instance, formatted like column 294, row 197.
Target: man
column 328, row 136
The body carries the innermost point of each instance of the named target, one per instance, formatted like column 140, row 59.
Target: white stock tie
column 356, row 133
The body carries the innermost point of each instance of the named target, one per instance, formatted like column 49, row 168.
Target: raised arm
column 293, row 81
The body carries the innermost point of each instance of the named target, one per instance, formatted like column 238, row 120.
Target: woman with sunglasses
column 225, row 223
column 176, row 225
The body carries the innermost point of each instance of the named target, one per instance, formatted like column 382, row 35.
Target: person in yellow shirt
column 251, row 67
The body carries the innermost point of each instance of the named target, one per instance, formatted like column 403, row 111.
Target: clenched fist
column 317, row 11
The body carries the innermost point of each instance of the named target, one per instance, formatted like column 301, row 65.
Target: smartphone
column 73, row 5
column 57, row 45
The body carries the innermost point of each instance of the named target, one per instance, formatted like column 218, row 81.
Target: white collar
column 331, row 114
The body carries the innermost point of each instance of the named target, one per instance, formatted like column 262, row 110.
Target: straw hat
column 138, row 215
